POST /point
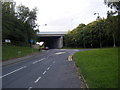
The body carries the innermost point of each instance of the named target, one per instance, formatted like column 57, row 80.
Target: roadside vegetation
column 19, row 26
column 10, row 52
column 99, row 67
column 104, row 32
column 100, row 33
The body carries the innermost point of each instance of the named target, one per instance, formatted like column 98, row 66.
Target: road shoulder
column 15, row 60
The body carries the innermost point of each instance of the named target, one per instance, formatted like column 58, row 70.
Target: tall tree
column 113, row 4
column 112, row 28
column 26, row 15
column 14, row 28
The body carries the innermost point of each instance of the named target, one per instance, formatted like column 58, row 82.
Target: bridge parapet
column 50, row 34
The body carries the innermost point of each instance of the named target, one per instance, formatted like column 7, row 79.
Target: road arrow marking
column 60, row 53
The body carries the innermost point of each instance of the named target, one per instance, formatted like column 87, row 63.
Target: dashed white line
column 37, row 79
column 38, row 61
column 44, row 72
column 29, row 88
column 13, row 71
column 48, row 68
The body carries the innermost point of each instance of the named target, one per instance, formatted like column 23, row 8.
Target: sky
column 64, row 15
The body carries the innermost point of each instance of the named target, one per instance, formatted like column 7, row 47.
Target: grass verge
column 9, row 52
column 99, row 67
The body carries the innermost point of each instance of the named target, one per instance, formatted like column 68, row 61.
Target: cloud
column 65, row 14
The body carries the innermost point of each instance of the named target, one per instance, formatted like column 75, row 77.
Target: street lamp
column 99, row 29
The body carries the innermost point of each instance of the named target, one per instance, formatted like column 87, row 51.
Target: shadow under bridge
column 52, row 40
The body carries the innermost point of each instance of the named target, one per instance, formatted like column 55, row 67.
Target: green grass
column 9, row 52
column 99, row 67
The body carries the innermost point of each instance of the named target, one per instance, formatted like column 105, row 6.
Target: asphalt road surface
column 49, row 70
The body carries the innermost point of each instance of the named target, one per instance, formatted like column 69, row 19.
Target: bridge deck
column 49, row 34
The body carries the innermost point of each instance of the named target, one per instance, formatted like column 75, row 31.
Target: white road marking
column 60, row 53
column 38, row 61
column 29, row 88
column 37, row 79
column 44, row 72
column 48, row 68
column 13, row 71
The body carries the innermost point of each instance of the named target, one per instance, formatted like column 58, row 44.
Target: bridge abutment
column 60, row 42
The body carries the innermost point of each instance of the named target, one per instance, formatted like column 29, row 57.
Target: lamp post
column 99, row 29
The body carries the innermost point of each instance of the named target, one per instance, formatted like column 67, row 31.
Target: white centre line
column 38, row 61
column 44, row 72
column 29, row 88
column 13, row 71
column 37, row 79
column 48, row 68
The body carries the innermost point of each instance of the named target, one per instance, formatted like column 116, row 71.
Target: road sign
column 31, row 41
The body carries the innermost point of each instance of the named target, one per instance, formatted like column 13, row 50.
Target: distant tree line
column 18, row 24
column 99, row 33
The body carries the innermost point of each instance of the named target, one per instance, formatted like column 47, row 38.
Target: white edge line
column 13, row 71
column 37, row 80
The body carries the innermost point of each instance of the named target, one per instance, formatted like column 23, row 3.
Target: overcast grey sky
column 64, row 15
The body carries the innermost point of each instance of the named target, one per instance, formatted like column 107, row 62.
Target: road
column 50, row 70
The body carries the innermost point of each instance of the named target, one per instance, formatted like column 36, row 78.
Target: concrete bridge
column 52, row 39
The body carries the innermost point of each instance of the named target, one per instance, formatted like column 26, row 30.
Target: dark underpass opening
column 52, row 42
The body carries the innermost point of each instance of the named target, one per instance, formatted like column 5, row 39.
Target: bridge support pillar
column 60, row 42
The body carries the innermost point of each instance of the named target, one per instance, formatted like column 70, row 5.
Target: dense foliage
column 18, row 26
column 99, row 33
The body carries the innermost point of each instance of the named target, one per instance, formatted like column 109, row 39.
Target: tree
column 115, row 5
column 112, row 28
column 14, row 28
column 26, row 15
